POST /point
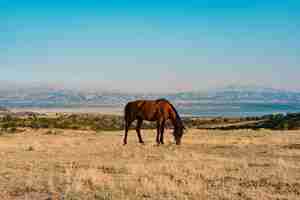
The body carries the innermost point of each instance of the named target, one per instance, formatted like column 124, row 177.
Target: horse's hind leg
column 162, row 129
column 138, row 130
column 125, row 135
column 127, row 125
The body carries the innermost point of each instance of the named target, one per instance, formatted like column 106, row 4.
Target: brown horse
column 160, row 111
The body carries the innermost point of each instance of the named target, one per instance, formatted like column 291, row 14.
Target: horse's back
column 147, row 104
column 143, row 109
column 135, row 106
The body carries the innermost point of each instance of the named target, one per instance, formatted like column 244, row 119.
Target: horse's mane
column 178, row 119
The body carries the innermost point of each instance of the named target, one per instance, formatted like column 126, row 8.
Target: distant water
column 195, row 109
column 237, row 109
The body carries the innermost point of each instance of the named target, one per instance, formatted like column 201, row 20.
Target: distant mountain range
column 49, row 96
column 242, row 94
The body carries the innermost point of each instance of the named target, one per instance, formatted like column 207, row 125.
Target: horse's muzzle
column 178, row 142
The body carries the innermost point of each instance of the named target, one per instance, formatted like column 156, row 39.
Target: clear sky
column 155, row 45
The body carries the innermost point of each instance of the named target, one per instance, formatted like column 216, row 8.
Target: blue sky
column 151, row 45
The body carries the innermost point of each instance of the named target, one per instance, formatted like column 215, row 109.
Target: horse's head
column 178, row 133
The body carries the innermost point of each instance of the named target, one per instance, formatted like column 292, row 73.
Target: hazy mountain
column 14, row 95
column 242, row 94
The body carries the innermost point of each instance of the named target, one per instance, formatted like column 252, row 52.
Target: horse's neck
column 176, row 121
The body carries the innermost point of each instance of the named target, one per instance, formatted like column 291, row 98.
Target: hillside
column 4, row 110
column 100, row 122
column 46, row 96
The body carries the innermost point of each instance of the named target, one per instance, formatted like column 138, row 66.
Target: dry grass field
column 72, row 164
